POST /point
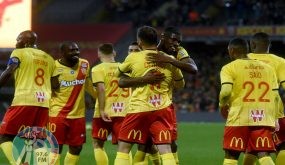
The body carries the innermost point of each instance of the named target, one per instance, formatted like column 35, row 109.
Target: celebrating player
column 67, row 111
column 260, row 45
column 111, row 104
column 32, row 70
column 149, row 102
column 248, row 101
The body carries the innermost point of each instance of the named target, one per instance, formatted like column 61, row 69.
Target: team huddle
column 134, row 98
column 51, row 93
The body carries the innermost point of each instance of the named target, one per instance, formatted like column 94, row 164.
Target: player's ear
column 114, row 53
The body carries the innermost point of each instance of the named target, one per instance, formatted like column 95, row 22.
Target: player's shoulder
column 98, row 66
column 276, row 57
column 182, row 50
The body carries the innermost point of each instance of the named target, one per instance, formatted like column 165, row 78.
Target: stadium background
column 206, row 25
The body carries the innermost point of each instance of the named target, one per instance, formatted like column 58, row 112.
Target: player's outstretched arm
column 151, row 77
column 178, row 84
column 7, row 73
column 186, row 64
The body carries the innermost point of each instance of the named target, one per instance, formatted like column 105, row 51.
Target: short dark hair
column 148, row 35
column 262, row 38
column 134, row 43
column 106, row 48
column 240, row 44
column 171, row 30
column 65, row 44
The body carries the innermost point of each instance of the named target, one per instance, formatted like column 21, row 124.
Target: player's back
column 274, row 61
column 116, row 99
column 252, row 99
column 150, row 97
column 32, row 77
column 278, row 64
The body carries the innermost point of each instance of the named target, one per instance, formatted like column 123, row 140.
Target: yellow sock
column 146, row 159
column 280, row 159
column 155, row 158
column 266, row 161
column 122, row 159
column 131, row 157
column 7, row 148
column 230, row 162
column 71, row 159
column 249, row 159
column 101, row 157
column 139, row 157
column 176, row 157
column 168, row 159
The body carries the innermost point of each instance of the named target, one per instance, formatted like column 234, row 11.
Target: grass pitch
column 198, row 144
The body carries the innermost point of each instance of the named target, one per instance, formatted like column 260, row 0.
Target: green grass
column 199, row 144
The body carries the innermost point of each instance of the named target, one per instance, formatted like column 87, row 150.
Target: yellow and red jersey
column 182, row 53
column 69, row 101
column 116, row 98
column 32, row 77
column 278, row 64
column 149, row 97
column 252, row 100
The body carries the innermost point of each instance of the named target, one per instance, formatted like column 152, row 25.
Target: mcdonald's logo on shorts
column 103, row 133
column 135, row 133
column 262, row 140
column 236, row 142
column 165, row 135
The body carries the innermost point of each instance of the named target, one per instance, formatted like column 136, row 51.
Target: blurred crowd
column 195, row 12
column 201, row 91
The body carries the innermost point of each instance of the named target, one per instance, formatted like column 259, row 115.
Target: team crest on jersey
column 84, row 71
column 257, row 115
column 155, row 100
column 72, row 72
column 40, row 96
column 117, row 107
column 84, row 65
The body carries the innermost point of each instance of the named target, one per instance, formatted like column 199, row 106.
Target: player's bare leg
column 249, row 159
column 166, row 154
column 174, row 151
column 122, row 157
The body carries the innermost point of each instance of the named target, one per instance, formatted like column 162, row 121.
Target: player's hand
column 153, row 77
column 159, row 57
column 105, row 116
column 224, row 110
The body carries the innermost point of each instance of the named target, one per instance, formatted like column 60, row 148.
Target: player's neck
column 261, row 50
column 66, row 63
column 153, row 47
column 108, row 59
